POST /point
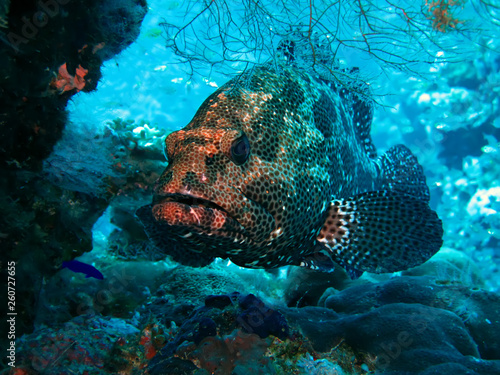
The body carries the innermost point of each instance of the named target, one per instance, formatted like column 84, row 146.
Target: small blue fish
column 87, row 269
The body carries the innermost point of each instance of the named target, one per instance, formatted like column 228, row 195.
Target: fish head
column 245, row 178
column 201, row 189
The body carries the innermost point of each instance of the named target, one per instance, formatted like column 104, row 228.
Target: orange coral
column 98, row 47
column 20, row 371
column 65, row 81
column 440, row 12
column 147, row 342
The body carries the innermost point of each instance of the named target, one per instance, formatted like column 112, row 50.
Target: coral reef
column 121, row 159
column 440, row 12
column 477, row 309
column 85, row 344
column 60, row 173
column 191, row 285
column 47, row 217
column 67, row 295
column 400, row 325
column 42, row 225
column 229, row 334
column 452, row 124
column 51, row 50
column 408, row 324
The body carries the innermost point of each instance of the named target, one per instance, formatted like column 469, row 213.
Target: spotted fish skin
column 277, row 168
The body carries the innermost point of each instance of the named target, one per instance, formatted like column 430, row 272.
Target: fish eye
column 240, row 150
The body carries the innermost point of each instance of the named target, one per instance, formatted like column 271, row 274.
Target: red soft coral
column 66, row 82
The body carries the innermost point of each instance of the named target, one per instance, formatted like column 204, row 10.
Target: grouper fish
column 276, row 168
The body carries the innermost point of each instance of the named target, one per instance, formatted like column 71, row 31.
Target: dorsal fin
column 355, row 94
column 401, row 172
column 362, row 116
column 307, row 52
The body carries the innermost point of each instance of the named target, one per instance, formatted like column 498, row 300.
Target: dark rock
column 449, row 369
column 481, row 314
column 314, row 323
column 206, row 327
column 362, row 298
column 42, row 226
column 466, row 141
column 394, row 333
column 305, row 287
column 259, row 319
column 263, row 322
column 218, row 302
column 392, row 329
column 48, row 56
column 249, row 301
column 428, row 361
column 41, row 61
column 165, row 311
column 478, row 309
column 173, row 366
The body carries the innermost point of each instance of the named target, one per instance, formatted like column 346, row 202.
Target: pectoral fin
column 379, row 231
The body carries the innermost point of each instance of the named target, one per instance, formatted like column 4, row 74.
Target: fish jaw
column 177, row 210
column 199, row 226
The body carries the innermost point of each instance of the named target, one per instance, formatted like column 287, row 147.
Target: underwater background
column 89, row 91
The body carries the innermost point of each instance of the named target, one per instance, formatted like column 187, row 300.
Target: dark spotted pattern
column 353, row 231
column 322, row 111
column 308, row 146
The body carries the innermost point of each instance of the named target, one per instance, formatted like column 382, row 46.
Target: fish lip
column 195, row 203
column 188, row 200
column 184, row 210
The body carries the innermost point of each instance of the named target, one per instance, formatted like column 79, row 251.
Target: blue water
column 447, row 113
column 437, row 91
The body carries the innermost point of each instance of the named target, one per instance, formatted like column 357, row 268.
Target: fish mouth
column 189, row 200
column 185, row 210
